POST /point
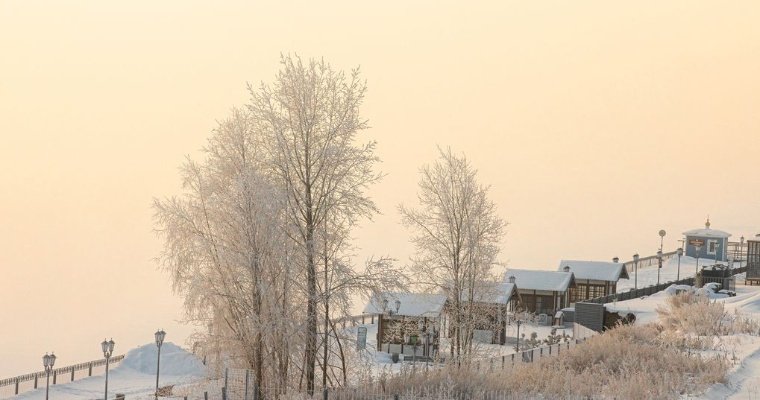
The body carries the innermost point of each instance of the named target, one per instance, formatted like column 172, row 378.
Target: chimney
column 511, row 279
column 566, row 268
column 615, row 259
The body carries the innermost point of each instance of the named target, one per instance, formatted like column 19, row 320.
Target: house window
column 712, row 247
column 538, row 304
column 595, row 291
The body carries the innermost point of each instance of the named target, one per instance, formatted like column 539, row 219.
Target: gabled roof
column 528, row 279
column 707, row 232
column 596, row 270
column 412, row 304
column 491, row 292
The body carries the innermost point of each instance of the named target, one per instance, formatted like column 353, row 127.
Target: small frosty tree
column 456, row 232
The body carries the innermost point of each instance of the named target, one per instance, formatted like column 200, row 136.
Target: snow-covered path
column 668, row 272
column 135, row 376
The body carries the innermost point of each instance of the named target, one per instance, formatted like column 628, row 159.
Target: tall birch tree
column 310, row 119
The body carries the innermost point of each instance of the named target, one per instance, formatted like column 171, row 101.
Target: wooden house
column 408, row 323
column 707, row 243
column 489, row 305
column 542, row 292
column 753, row 260
column 593, row 278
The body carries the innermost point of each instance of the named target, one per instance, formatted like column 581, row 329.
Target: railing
column 650, row 290
column 649, row 261
column 241, row 384
column 67, row 371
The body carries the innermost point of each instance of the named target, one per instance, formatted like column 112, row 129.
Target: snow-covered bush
column 691, row 313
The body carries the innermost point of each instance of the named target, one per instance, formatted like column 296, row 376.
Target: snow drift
column 174, row 361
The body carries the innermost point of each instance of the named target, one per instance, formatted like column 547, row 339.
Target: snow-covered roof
column 528, row 279
column 411, row 304
column 596, row 270
column 707, row 232
column 491, row 292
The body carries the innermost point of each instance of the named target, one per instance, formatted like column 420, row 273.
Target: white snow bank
column 174, row 361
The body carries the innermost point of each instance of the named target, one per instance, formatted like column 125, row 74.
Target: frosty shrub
column 628, row 362
column 689, row 314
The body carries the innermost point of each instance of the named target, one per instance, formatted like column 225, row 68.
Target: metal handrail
column 58, row 371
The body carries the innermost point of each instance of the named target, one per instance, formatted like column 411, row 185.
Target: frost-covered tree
column 456, row 231
column 263, row 227
column 310, row 119
column 224, row 247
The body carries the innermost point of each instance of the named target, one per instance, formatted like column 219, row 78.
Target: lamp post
column 107, row 347
column 160, row 335
column 659, row 267
column 662, row 234
column 635, row 271
column 679, row 252
column 48, row 360
column 519, row 322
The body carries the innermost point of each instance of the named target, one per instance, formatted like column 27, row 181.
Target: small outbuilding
column 542, row 292
column 753, row 260
column 593, row 278
column 491, row 303
column 408, row 323
column 707, row 243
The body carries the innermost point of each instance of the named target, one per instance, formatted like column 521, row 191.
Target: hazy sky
column 596, row 124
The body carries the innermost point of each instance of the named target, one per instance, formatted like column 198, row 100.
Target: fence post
column 16, row 385
column 226, row 375
column 55, row 376
column 513, row 359
column 540, row 352
column 35, row 381
column 362, row 319
column 224, row 393
column 205, row 395
column 89, row 372
column 246, row 385
column 395, row 396
column 503, row 359
column 325, row 396
column 72, row 374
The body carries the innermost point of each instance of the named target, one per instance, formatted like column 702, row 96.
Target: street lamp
column 636, row 271
column 519, row 322
column 48, row 361
column 160, row 335
column 659, row 261
column 107, row 347
column 680, row 253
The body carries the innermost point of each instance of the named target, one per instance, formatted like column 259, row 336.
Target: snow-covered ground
column 744, row 377
column 135, row 376
column 668, row 272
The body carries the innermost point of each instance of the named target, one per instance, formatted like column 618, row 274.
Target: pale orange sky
column 596, row 124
